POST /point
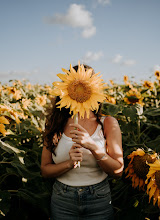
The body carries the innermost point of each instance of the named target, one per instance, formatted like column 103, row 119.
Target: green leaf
column 153, row 125
column 154, row 144
column 130, row 112
column 111, row 109
column 22, row 170
column 37, row 200
column 152, row 112
column 4, row 201
column 10, row 149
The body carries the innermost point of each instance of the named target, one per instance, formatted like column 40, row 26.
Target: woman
column 81, row 193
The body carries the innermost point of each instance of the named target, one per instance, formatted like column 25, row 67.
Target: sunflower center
column 133, row 99
column 140, row 167
column 157, row 74
column 79, row 90
column 157, row 179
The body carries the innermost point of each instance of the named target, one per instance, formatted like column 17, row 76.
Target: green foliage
column 140, row 128
column 24, row 194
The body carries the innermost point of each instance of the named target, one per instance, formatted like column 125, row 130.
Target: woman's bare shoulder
column 110, row 120
column 111, row 124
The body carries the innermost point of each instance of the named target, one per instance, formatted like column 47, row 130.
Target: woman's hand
column 81, row 136
column 75, row 154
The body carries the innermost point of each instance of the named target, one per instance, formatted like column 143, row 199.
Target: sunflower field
column 24, row 194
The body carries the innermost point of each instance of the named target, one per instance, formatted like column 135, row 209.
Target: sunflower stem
column 139, row 113
column 76, row 122
column 76, row 118
column 138, row 129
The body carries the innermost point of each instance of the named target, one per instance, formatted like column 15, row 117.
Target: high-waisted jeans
column 86, row 202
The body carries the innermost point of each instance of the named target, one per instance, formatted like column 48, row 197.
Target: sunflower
column 16, row 94
column 111, row 82
column 157, row 74
column 126, row 80
column 29, row 86
column 4, row 108
column 153, row 182
column 148, row 84
column 110, row 99
column 26, row 103
column 80, row 90
column 133, row 96
column 3, row 121
column 137, row 168
column 41, row 100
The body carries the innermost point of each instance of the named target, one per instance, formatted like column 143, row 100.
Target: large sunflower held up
column 138, row 168
column 79, row 90
column 153, row 182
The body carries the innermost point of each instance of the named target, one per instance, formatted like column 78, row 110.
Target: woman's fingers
column 78, row 127
column 76, row 146
column 76, row 153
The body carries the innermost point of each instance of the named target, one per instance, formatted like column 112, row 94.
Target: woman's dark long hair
column 56, row 120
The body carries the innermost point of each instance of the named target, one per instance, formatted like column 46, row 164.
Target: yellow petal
column 2, row 129
column 141, row 183
column 159, row 201
column 156, row 194
column 3, row 120
column 150, row 173
column 136, row 182
column 152, row 191
column 73, row 71
column 88, row 74
column 63, row 77
column 133, row 177
column 150, row 184
column 65, row 71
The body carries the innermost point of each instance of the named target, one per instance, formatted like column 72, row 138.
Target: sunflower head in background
column 80, row 90
column 153, row 182
column 157, row 74
column 138, row 168
column 133, row 96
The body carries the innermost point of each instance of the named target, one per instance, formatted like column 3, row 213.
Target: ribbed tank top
column 89, row 172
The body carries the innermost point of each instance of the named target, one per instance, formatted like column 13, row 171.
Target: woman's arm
column 49, row 170
column 112, row 162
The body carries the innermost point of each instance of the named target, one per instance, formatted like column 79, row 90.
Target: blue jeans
column 87, row 202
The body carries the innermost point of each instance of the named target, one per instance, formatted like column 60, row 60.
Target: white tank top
column 89, row 172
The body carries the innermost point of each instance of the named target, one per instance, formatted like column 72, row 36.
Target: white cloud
column 156, row 68
column 104, row 2
column 17, row 73
column 117, row 58
column 91, row 56
column 129, row 62
column 89, row 32
column 76, row 17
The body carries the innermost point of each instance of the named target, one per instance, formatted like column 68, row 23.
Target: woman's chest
column 65, row 144
column 89, row 126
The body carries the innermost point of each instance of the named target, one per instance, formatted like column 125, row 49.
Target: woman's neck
column 91, row 117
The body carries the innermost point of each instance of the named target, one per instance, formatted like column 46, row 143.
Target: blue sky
column 115, row 37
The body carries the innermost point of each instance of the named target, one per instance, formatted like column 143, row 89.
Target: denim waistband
column 91, row 188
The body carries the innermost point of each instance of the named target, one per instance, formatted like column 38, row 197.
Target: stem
column 3, row 162
column 12, row 191
column 138, row 129
column 76, row 122
column 76, row 119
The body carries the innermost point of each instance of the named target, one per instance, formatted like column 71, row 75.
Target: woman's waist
column 91, row 187
column 74, row 178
